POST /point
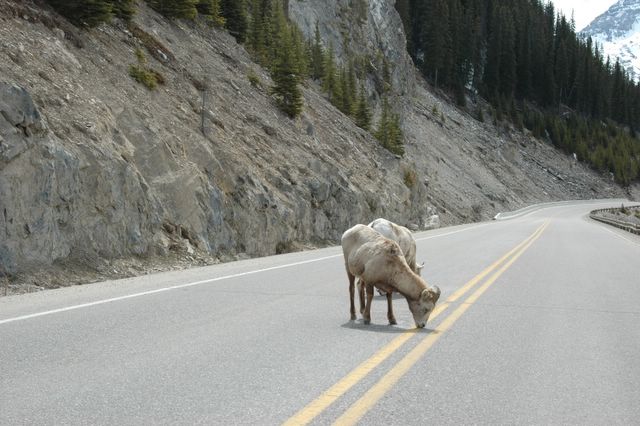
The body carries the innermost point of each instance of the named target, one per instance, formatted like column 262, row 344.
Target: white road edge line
column 175, row 287
column 606, row 228
column 160, row 290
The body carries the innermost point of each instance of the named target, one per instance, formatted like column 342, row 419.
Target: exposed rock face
column 58, row 201
column 109, row 169
column 360, row 29
column 94, row 166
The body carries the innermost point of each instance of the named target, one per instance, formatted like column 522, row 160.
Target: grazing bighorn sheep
column 379, row 262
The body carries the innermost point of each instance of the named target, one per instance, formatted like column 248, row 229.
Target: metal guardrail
column 627, row 226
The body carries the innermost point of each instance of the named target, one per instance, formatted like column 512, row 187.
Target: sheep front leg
column 352, row 291
column 390, row 316
column 367, row 309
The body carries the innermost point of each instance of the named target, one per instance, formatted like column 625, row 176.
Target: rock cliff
column 97, row 171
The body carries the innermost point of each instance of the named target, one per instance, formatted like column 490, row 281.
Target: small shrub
column 254, row 79
column 143, row 76
column 410, row 178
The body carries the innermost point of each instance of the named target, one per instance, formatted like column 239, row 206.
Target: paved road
column 539, row 323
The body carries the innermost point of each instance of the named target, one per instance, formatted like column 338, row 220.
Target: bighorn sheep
column 403, row 237
column 379, row 262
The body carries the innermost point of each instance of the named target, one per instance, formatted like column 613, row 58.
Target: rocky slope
column 618, row 32
column 100, row 177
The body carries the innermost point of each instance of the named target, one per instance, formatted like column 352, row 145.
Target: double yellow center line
column 369, row 399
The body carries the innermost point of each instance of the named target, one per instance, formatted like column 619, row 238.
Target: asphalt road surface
column 538, row 323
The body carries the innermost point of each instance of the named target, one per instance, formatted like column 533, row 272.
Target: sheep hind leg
column 361, row 295
column 367, row 309
column 390, row 316
column 352, row 291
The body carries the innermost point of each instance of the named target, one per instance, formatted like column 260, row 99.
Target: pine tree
column 363, row 112
column 347, row 101
column 88, row 13
column 300, row 56
column 507, row 55
column 437, row 40
column 352, row 90
column 176, row 9
column 288, row 67
column 317, row 56
column 235, row 15
column 123, row 9
column 389, row 133
column 278, row 25
column 257, row 32
column 330, row 78
column 210, row 9
column 286, row 72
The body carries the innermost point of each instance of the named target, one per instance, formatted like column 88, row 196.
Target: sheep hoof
column 367, row 321
column 393, row 322
column 353, row 317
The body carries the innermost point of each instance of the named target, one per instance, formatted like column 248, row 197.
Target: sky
column 585, row 11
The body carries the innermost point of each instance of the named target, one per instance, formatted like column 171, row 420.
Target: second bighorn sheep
column 403, row 237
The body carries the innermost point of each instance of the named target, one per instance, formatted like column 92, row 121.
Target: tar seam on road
column 179, row 286
column 317, row 406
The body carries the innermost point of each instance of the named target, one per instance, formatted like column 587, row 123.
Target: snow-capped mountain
column 618, row 32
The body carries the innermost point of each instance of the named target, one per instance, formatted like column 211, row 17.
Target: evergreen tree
column 363, row 112
column 352, row 90
column 278, row 25
column 347, row 102
column 437, row 40
column 235, row 15
column 330, row 78
column 211, row 10
column 257, row 32
column 389, row 133
column 286, row 77
column 507, row 55
column 300, row 56
column 88, row 13
column 177, row 9
column 123, row 9
column 317, row 56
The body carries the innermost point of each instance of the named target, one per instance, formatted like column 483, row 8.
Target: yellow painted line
column 315, row 407
column 327, row 398
column 462, row 290
column 373, row 395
